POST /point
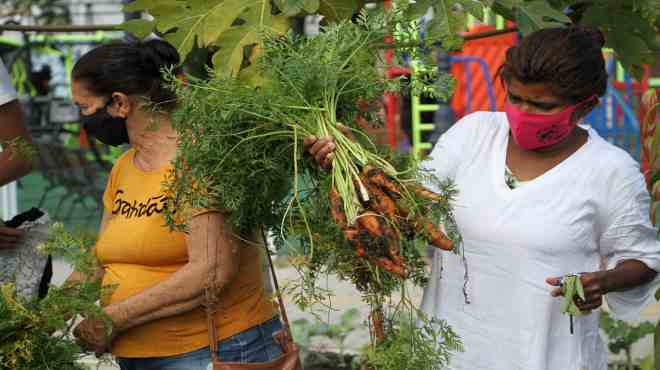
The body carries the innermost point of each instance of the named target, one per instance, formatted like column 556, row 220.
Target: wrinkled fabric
column 24, row 264
column 587, row 213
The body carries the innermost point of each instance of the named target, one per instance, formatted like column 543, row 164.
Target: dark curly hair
column 133, row 68
column 568, row 59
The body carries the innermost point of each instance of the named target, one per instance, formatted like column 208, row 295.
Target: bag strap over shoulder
column 211, row 303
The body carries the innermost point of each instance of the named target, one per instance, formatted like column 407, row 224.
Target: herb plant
column 37, row 334
column 367, row 220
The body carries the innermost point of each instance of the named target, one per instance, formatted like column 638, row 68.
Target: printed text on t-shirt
column 154, row 205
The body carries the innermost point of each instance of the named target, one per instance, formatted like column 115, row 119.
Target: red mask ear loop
column 585, row 102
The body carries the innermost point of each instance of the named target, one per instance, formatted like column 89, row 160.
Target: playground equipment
column 616, row 118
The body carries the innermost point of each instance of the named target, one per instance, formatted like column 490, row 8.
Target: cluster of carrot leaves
column 36, row 334
column 241, row 151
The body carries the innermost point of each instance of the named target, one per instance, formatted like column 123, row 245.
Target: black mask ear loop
column 106, row 128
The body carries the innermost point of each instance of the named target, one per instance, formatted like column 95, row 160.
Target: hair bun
column 156, row 54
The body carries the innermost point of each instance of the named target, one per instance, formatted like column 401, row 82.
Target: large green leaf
column 294, row 7
column 473, row 7
column 334, row 10
column 185, row 23
column 538, row 14
column 445, row 25
column 631, row 37
column 630, row 25
column 229, row 59
column 505, row 8
column 648, row 9
column 141, row 28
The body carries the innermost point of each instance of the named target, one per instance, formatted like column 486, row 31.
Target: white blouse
column 591, row 209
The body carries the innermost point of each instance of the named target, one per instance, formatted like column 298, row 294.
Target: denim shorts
column 252, row 345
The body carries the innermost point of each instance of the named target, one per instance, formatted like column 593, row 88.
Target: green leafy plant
column 415, row 342
column 240, row 150
column 573, row 290
column 622, row 336
column 650, row 155
column 21, row 149
column 37, row 334
column 232, row 30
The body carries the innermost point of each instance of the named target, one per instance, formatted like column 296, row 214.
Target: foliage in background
column 37, row 334
column 650, row 151
column 622, row 336
column 232, row 30
column 650, row 156
column 630, row 26
column 305, row 331
column 416, row 342
column 41, row 12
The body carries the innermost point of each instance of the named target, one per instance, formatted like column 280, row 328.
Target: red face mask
column 535, row 131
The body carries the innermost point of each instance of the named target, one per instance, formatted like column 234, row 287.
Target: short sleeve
column 629, row 235
column 7, row 91
column 449, row 152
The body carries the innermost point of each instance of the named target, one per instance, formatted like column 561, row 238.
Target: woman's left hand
column 594, row 290
column 92, row 335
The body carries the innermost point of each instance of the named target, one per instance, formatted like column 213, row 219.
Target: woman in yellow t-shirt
column 158, row 275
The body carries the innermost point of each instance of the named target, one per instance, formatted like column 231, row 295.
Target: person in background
column 158, row 276
column 540, row 196
column 12, row 167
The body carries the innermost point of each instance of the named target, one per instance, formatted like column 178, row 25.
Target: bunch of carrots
column 376, row 232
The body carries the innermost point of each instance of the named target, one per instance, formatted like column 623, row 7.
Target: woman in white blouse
column 540, row 197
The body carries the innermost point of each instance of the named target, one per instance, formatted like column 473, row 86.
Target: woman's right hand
column 321, row 149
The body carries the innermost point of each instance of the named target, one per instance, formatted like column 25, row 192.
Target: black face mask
column 103, row 126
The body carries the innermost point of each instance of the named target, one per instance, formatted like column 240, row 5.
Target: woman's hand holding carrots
column 376, row 231
column 321, row 149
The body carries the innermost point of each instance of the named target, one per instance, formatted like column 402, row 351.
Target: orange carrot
column 378, row 177
column 393, row 252
column 428, row 194
column 436, row 236
column 387, row 265
column 379, row 201
column 371, row 223
column 377, row 323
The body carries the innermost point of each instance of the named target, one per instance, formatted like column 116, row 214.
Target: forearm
column 212, row 254
column 179, row 293
column 123, row 324
column 627, row 275
column 13, row 165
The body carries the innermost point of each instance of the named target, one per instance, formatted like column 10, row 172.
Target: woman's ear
column 121, row 105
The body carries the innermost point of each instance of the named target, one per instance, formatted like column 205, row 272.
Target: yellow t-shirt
column 138, row 251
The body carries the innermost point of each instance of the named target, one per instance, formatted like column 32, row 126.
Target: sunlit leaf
column 141, row 28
